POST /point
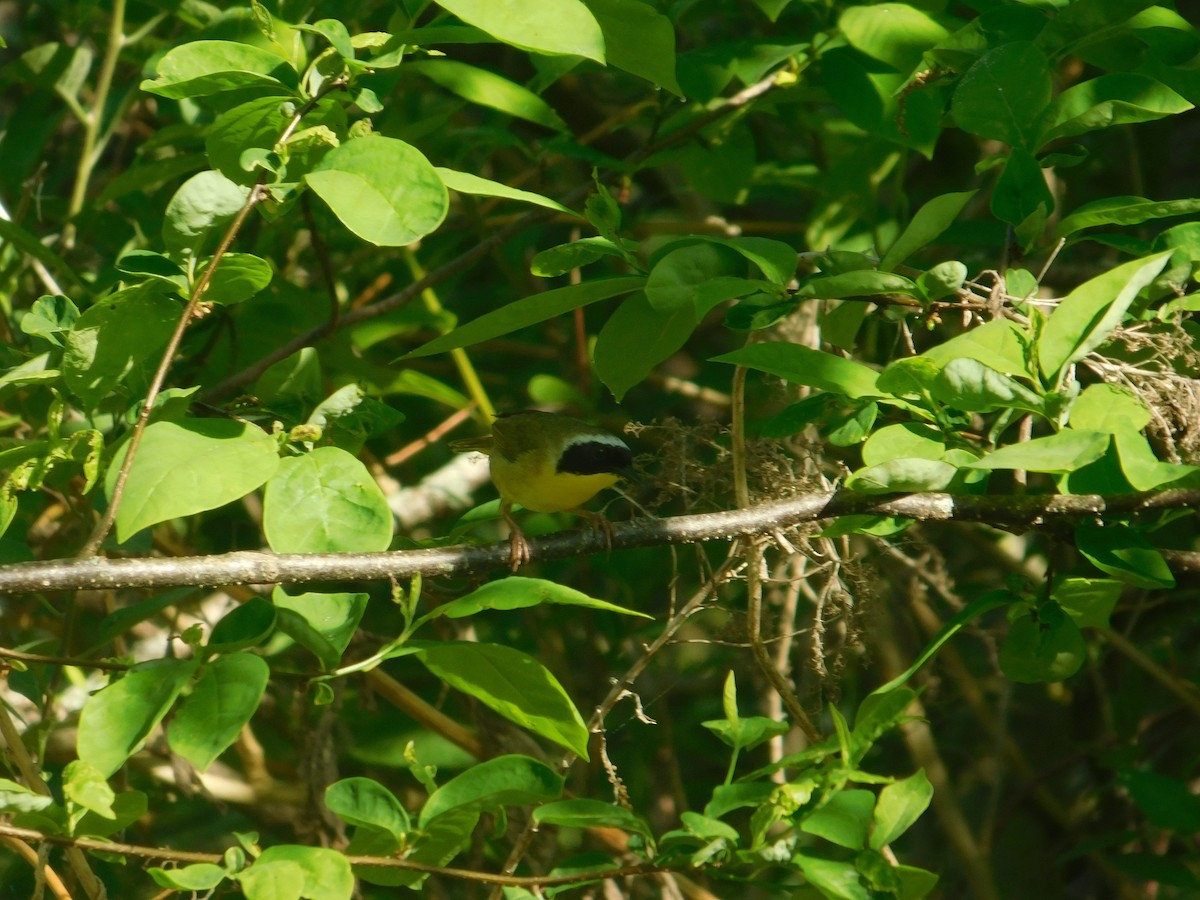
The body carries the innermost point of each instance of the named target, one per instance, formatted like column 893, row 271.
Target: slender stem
column 971, row 855
column 33, row 778
column 462, row 361
column 160, row 376
column 378, row 862
column 741, row 486
column 620, row 689
column 44, row 872
column 754, row 564
column 89, row 155
column 255, row 195
column 485, row 246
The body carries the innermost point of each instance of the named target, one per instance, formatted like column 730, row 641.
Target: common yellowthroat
column 548, row 462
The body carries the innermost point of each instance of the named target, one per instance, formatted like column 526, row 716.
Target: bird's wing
column 483, row 444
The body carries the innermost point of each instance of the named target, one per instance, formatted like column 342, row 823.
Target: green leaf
column 906, row 439
column 116, row 721
column 382, row 189
column 466, row 183
column 878, row 871
column 1125, row 553
column 844, row 820
column 1167, row 803
column 775, row 259
column 365, row 803
column 246, row 625
column 943, row 280
column 259, row 124
column 86, row 786
column 973, row 387
column 151, row 265
column 238, row 278
column 1089, row 601
column 60, row 67
column 488, row 89
column 638, row 39
column 1021, row 190
column 803, row 365
column 281, row 879
column 903, row 475
column 196, row 877
column 584, row 813
column 326, row 873
column 29, row 244
column 915, row 883
column 144, row 176
column 1003, row 93
column 1141, row 468
column 708, row 828
column 201, row 68
column 739, row 795
column 127, row 808
column 1114, row 99
column 636, row 338
column 563, row 258
column 836, row 880
column 1109, row 408
column 1046, row 646
column 999, row 344
column 322, row 623
column 859, row 283
column 927, row 225
column 517, row 592
column 188, row 467
column 528, row 311
column 334, row 32
column 1066, row 451
column 49, row 316
column 202, row 207
column 325, row 501
column 899, row 806
column 436, row 844
column 118, row 342
column 515, row 685
column 676, row 276
column 504, row 781
column 968, row 613
column 897, row 33
column 16, row 798
column 553, row 27
column 1087, row 316
column 722, row 288
column 222, row 701
column 1123, row 211
column 746, row 733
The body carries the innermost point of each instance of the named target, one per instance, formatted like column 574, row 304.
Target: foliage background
column 845, row 121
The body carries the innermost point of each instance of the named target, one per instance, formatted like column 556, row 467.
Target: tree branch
column 1013, row 512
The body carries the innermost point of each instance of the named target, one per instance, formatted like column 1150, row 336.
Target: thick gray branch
column 1010, row 512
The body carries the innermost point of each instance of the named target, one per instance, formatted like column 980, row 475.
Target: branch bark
column 1013, row 512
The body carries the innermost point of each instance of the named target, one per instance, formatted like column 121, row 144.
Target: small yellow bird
column 548, row 462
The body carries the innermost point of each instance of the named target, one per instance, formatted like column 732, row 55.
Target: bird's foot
column 520, row 549
column 599, row 523
column 516, row 540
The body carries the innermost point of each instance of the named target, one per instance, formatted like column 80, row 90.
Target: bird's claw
column 520, row 548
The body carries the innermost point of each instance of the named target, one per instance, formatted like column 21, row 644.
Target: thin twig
column 255, row 195
column 379, row 862
column 89, row 153
column 621, row 688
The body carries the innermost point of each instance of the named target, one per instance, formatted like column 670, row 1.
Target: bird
column 549, row 462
